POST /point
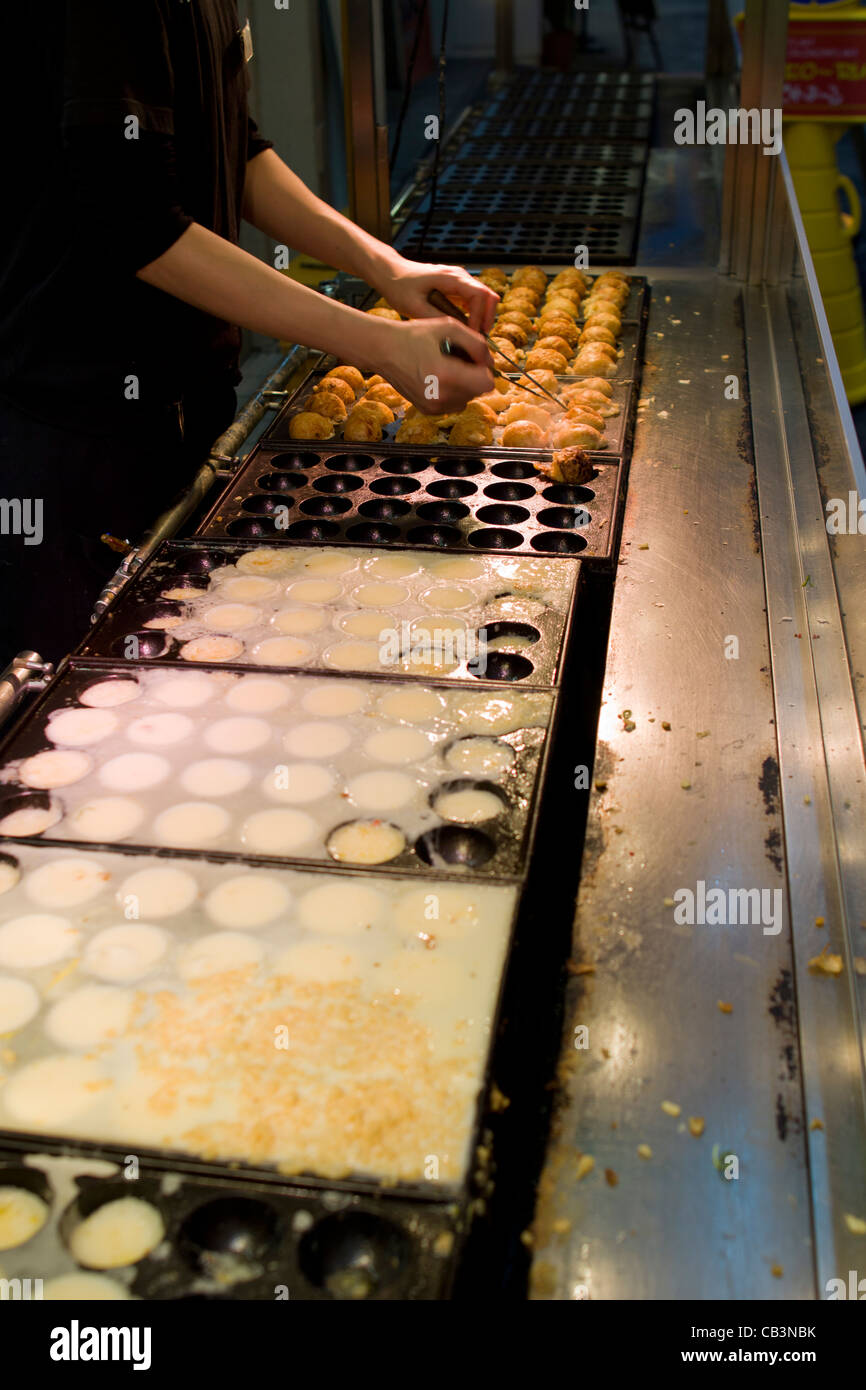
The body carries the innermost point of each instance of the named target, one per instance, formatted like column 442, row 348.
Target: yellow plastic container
column 811, row 151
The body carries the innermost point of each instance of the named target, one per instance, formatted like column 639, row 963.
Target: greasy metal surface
column 530, row 592
column 822, row 781
column 497, row 847
column 439, row 499
column 688, row 647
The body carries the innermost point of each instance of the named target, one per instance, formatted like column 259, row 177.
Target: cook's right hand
column 433, row 381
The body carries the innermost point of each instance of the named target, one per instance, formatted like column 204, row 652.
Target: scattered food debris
column 859, row 965
column 644, row 1151
column 601, row 786
column 856, row 1225
column 585, row 1165
column 643, row 547
column 666, row 726
column 670, row 1107
column 696, row 1126
column 702, row 733
column 826, row 963
column 807, row 801
column 579, row 967
column 669, row 902
column 724, row 1007
column 498, row 1101
column 817, row 1124
column 685, row 786
column 527, row 1238
column 777, row 1271
column 444, row 1243
column 561, row 1225
column 819, row 921
column 610, row 1177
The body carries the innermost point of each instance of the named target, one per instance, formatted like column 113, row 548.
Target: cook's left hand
column 408, row 283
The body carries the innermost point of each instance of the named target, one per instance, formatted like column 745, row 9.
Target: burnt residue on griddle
column 773, row 849
column 782, row 1118
column 768, row 785
column 782, row 1000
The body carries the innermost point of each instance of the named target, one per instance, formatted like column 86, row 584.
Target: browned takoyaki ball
column 308, row 425
column 604, row 318
column 337, row 387
column 361, row 428
column 547, row 358
column 595, row 333
column 570, row 277
column 327, row 403
column 558, row 326
column 582, row 415
column 497, row 401
column 377, row 410
column 571, row 433
column 564, row 292
column 543, row 376
column 596, row 383
column 577, row 395
column 351, row 375
column 422, row 429
column 515, row 316
column 524, row 434
column 387, row 394
column 512, row 331
column 555, row 343
column 469, row 429
column 523, row 410
column 482, row 408
column 558, row 304
column 618, row 294
column 531, row 275
column 522, row 298
column 385, row 314
column 593, row 361
column 494, row 278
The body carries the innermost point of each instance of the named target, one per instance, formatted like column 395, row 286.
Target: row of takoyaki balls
column 566, row 326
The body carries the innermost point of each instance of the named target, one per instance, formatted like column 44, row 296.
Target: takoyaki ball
column 494, row 278
column 512, row 331
column 570, row 433
column 595, row 383
column 524, row 434
column 327, row 403
column 614, row 277
column 558, row 326
column 593, row 361
column 337, row 387
column 523, row 299
column 495, row 401
column 568, row 292
column 377, row 410
column 594, row 334
column 584, row 415
column 351, row 375
column 422, row 430
column 531, row 275
column 375, row 380
column 382, row 303
column 617, row 293
column 547, row 358
column 482, row 408
column 523, row 411
column 387, row 394
column 572, row 277
column 361, row 428
column 555, row 343
column 309, row 425
column 604, row 318
column 592, row 400
column 515, row 316
column 385, row 314
column 470, row 429
column 542, row 377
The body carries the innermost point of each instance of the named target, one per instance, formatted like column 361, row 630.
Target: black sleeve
column 256, row 142
column 118, row 123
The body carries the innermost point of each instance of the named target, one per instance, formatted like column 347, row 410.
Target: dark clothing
column 137, row 127
column 87, row 486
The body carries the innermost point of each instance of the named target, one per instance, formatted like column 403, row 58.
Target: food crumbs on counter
column 670, row 1107
column 585, row 1165
column 498, row 1101
column 702, row 733
column 859, row 965
column 528, row 1239
column 777, row 1271
column 579, row 968
column 668, row 902
column 605, row 1052
column 724, row 1007
column 644, row 1151
column 807, row 801
column 817, row 1124
column 443, row 1244
column 666, row 726
column 686, row 786
column 819, row 921
column 856, row 1225
column 643, row 547
column 826, row 963
column 696, row 1126
column 610, row 1177
column 601, row 786
column 561, row 1225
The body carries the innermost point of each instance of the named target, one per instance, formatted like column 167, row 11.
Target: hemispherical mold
column 451, row 488
column 459, row 467
column 312, row 530
column 403, row 464
column 355, row 1254
column 455, row 846
column 387, row 508
column 326, row 506
column 514, row 469
column 438, row 535
column 393, row 485
column 494, row 538
column 443, row 511
column 373, row 532
column 239, row 1231
column 558, row 543
column 498, row 514
column 146, row 644
column 281, row 482
column 509, row 492
column 338, row 482
column 349, row 463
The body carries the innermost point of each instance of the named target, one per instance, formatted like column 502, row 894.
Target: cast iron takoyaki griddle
column 230, row 1237
column 450, row 499
column 432, row 842
column 529, row 599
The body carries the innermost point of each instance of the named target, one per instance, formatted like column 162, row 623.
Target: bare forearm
column 280, row 204
column 210, row 273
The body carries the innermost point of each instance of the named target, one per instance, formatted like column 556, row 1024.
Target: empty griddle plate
column 376, row 775
column 412, row 496
column 165, row 615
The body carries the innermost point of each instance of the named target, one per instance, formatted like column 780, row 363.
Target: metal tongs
column 439, row 301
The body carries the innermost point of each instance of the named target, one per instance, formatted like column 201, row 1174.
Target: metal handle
column 25, row 672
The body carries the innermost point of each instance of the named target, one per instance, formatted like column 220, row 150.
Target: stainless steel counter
column 758, row 784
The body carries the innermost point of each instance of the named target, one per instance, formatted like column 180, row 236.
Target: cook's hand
column 413, row 361
column 408, row 284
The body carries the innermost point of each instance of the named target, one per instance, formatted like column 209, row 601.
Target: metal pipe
column 25, row 672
